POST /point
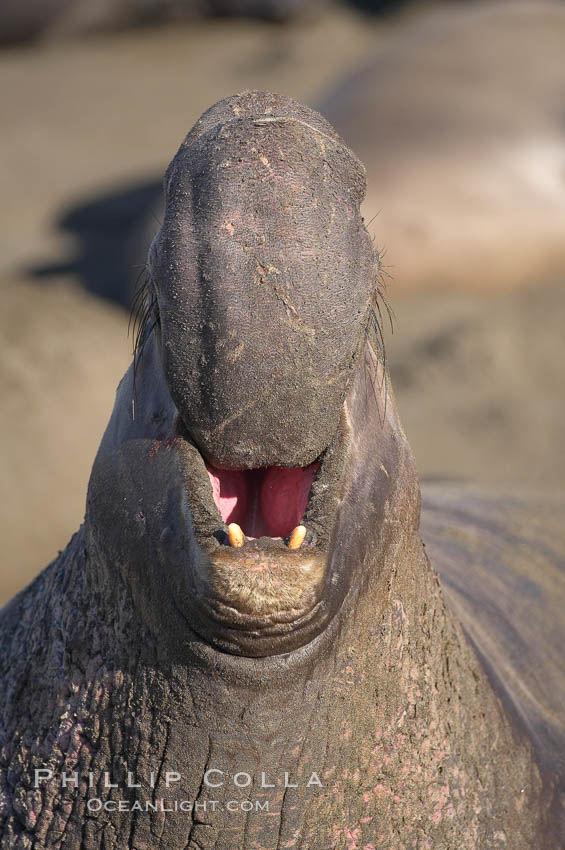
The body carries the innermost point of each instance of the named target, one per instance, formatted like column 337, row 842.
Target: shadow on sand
column 112, row 232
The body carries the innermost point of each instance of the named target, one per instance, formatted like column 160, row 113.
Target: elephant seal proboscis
column 244, row 646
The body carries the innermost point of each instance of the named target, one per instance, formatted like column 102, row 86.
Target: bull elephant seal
column 245, row 646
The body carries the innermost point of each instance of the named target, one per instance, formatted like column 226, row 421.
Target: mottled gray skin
column 126, row 654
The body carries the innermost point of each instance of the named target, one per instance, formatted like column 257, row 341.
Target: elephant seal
column 245, row 645
column 458, row 118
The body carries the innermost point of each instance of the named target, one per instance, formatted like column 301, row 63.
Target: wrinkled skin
column 151, row 645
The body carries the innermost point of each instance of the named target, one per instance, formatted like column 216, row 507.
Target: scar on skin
column 335, row 377
column 236, row 353
column 298, row 325
column 219, row 428
column 265, row 270
column 295, row 322
column 347, row 416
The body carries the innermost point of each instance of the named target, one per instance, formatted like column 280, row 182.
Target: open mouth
column 262, row 564
column 268, row 502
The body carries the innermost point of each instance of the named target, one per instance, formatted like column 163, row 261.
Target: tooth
column 297, row 537
column 236, row 535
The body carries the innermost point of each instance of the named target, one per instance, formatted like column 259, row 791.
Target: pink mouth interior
column 266, row 502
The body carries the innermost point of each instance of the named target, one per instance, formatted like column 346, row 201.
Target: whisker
column 144, row 317
column 375, row 326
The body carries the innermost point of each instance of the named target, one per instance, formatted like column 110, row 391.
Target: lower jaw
column 266, row 582
column 249, row 637
column 258, row 609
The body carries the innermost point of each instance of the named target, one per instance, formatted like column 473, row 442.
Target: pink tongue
column 269, row 502
column 284, row 496
column 230, row 493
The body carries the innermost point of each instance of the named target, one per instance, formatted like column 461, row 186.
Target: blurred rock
column 458, row 118
column 480, row 383
column 22, row 20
